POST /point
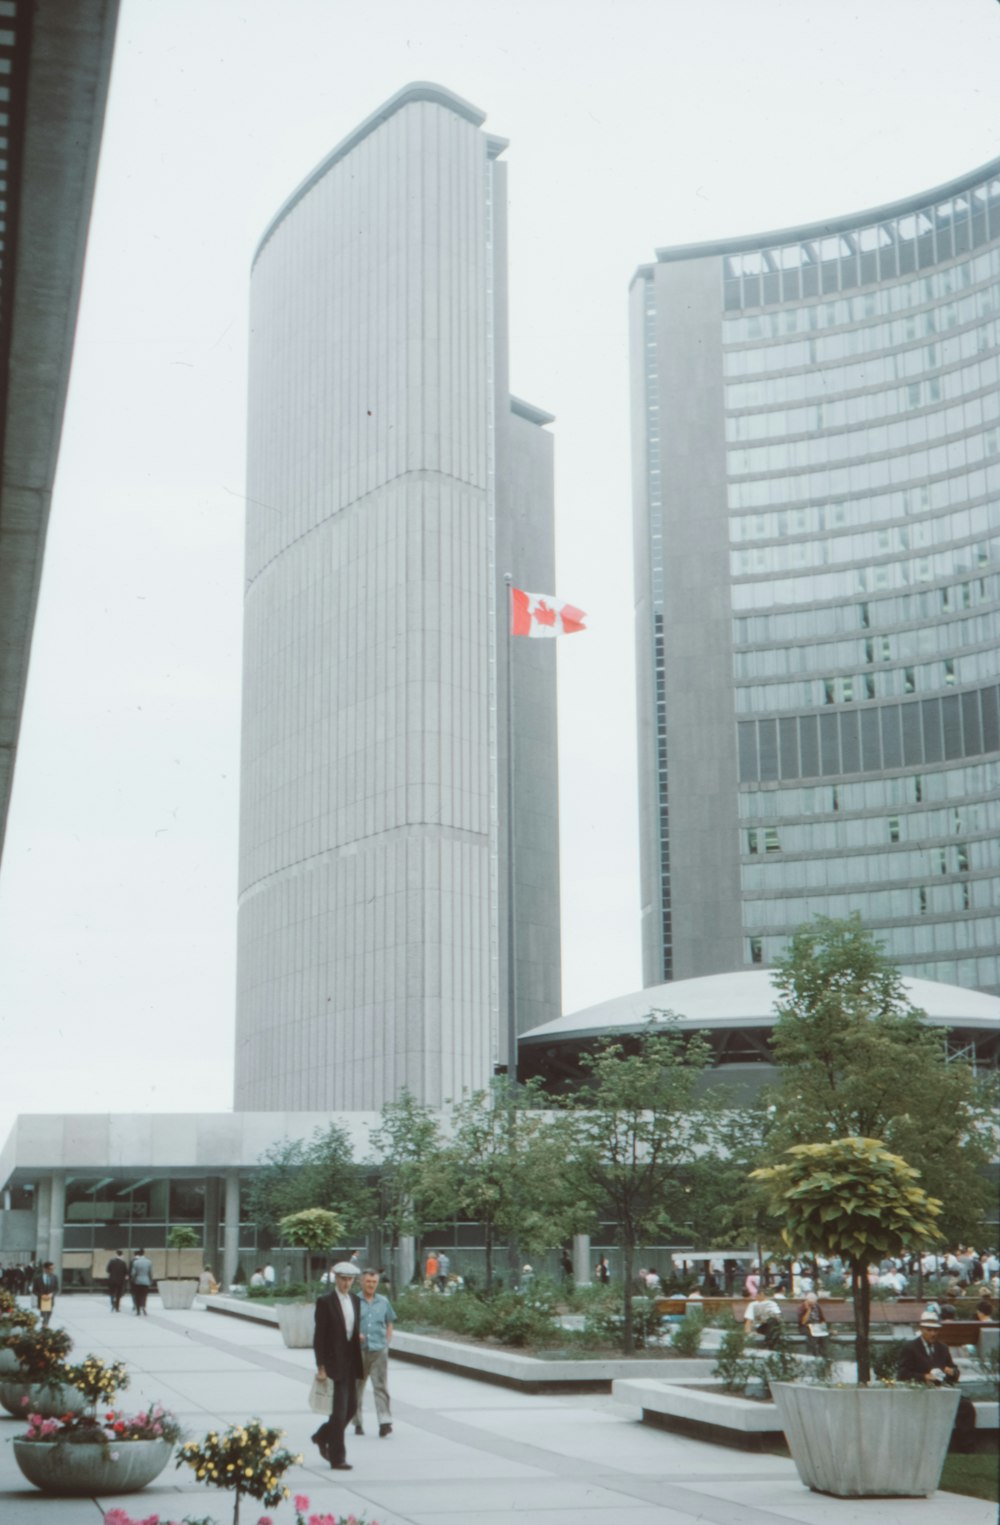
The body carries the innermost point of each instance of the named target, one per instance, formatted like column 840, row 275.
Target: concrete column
column 581, row 1260
column 406, row 1263
column 43, row 1215
column 231, row 1229
column 57, row 1219
column 6, row 1199
column 213, row 1209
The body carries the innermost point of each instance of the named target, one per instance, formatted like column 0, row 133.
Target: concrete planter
column 88, row 1471
column 177, row 1292
column 867, row 1442
column 297, row 1322
column 48, row 1399
column 8, row 1361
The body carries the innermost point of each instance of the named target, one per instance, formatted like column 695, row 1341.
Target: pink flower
column 25, row 1402
column 265, row 1519
column 301, row 1502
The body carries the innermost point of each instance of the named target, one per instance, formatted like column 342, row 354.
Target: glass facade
column 861, row 393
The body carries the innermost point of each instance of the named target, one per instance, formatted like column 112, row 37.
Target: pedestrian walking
column 45, row 1286
column 140, row 1274
column 116, row 1271
column 337, row 1348
column 377, row 1319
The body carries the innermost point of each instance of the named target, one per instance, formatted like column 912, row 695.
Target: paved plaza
column 461, row 1450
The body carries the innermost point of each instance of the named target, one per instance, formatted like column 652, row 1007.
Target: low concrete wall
column 730, row 1420
column 483, row 1363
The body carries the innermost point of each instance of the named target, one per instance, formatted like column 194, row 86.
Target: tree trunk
column 628, row 1261
column 861, row 1298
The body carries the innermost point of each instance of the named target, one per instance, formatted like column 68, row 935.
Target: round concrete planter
column 84, row 1471
column 177, row 1292
column 8, row 1362
column 867, row 1442
column 48, row 1399
column 297, row 1322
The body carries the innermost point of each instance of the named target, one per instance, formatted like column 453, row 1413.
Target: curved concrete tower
column 392, row 482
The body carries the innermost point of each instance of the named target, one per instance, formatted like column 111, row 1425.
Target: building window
column 752, row 840
column 756, row 951
column 771, row 843
column 922, row 901
column 894, row 828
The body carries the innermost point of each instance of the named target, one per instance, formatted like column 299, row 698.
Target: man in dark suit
column 929, row 1360
column 337, row 1348
column 116, row 1271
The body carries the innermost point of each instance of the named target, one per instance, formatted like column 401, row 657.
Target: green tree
column 407, row 1143
column 856, row 1058
column 724, row 1206
column 296, row 1174
column 501, row 1168
column 851, row 1197
column 629, row 1134
column 182, row 1237
column 314, row 1229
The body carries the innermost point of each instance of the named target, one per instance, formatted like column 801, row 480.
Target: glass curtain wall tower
column 392, row 481
column 816, row 467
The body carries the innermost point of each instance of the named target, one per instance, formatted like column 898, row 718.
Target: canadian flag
column 538, row 614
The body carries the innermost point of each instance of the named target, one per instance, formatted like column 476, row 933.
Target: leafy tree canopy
column 856, row 1058
column 630, row 1132
column 406, row 1144
column 296, row 1174
column 851, row 1197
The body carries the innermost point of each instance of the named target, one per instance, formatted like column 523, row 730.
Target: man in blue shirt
column 377, row 1319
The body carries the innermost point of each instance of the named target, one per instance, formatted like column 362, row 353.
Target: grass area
column 977, row 1476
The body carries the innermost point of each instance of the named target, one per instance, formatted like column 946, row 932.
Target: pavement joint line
column 649, row 1489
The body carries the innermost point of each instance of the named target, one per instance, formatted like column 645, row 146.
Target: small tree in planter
column 851, row 1198
column 313, row 1229
column 179, row 1292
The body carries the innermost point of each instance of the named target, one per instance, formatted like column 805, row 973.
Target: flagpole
column 511, row 948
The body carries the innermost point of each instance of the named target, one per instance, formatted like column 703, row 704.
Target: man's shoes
column 384, row 1430
column 341, row 1466
column 359, row 1429
column 318, row 1440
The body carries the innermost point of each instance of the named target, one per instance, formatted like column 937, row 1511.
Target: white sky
column 632, row 124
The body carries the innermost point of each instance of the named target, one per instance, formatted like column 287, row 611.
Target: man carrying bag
column 337, row 1348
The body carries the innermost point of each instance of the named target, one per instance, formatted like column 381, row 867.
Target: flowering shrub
column 122, row 1517
column 40, row 1355
column 154, row 1423
column 96, row 1380
column 246, row 1458
column 12, row 1320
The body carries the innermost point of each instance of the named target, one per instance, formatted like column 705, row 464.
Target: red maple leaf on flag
column 543, row 614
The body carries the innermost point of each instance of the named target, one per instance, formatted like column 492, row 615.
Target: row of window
column 849, row 833
column 958, row 561
column 860, row 257
column 884, row 508
column 884, row 683
column 867, row 740
column 778, row 874
column 845, row 344
column 869, row 614
column 935, row 938
column 886, row 540
column 973, row 973
column 865, row 338
column 870, row 377
column 912, row 434
column 958, row 785
column 874, row 906
column 871, row 478
column 901, row 646
column 871, row 304
column 872, row 407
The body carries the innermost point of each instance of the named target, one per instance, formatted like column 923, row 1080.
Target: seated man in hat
column 928, row 1359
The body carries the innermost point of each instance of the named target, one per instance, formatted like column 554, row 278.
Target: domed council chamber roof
column 745, row 999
